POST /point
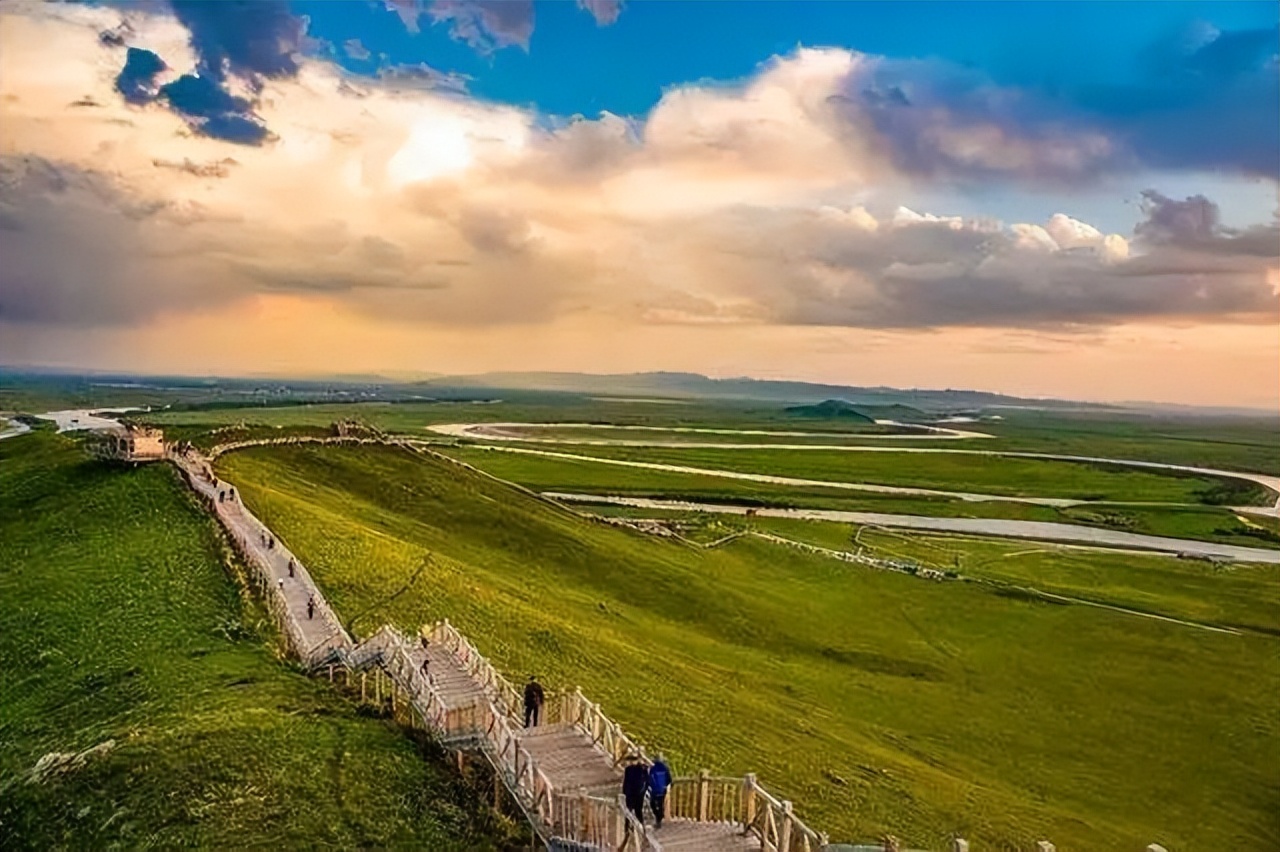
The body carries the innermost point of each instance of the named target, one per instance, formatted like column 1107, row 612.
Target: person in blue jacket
column 659, row 783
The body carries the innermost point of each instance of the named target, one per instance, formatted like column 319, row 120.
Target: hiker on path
column 290, row 566
column 659, row 783
column 635, row 781
column 281, row 582
column 533, row 698
column 311, row 606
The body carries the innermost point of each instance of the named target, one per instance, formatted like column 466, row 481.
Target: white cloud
column 726, row 204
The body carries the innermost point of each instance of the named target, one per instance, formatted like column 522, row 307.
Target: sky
column 1068, row 199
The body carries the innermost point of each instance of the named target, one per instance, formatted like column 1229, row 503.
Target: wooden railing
column 705, row 798
column 576, row 709
column 777, row 826
column 742, row 801
column 498, row 688
column 601, row 823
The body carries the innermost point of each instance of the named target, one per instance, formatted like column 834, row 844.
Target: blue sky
column 572, row 65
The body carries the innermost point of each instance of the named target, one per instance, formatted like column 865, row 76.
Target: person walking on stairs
column 635, row 781
column 311, row 606
column 290, row 566
column 659, row 783
column 533, row 698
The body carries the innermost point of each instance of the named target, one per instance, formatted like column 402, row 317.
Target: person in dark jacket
column 635, row 781
column 659, row 783
column 533, row 698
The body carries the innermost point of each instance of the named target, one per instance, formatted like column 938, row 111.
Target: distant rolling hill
column 839, row 409
column 695, row 386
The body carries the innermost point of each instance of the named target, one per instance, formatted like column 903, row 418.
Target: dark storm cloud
column 212, row 111
column 1191, row 220
column 1196, row 223
column 247, row 38
column 1211, row 102
column 131, row 259
column 136, row 82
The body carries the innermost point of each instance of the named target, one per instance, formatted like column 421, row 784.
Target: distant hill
column 839, row 409
column 695, row 386
column 830, row 409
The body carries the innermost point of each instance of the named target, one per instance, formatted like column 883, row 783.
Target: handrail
column 497, row 687
column 588, row 717
column 777, row 826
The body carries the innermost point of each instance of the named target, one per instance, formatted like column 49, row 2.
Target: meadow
column 542, row 473
column 1012, row 477
column 122, row 631
column 877, row 701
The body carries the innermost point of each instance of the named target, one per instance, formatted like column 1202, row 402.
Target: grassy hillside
column 876, row 701
column 121, row 630
column 542, row 473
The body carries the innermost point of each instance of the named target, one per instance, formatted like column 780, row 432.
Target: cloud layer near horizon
column 776, row 201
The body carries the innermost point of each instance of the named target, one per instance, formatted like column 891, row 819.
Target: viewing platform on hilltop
column 128, row 443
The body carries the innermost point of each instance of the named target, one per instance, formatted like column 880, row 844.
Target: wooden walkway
column 565, row 775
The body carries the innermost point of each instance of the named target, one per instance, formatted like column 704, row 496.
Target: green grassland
column 542, row 473
column 120, row 625
column 1191, row 589
column 650, row 435
column 1247, row 444
column 1013, row 477
column 1229, row 443
column 877, row 701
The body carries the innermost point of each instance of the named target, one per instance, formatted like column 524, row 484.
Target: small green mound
column 831, row 409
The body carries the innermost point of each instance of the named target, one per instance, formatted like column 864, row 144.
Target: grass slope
column 120, row 625
column 541, row 473
column 876, row 701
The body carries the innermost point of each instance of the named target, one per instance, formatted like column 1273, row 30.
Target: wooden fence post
column 748, row 802
column 704, row 792
column 784, row 830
